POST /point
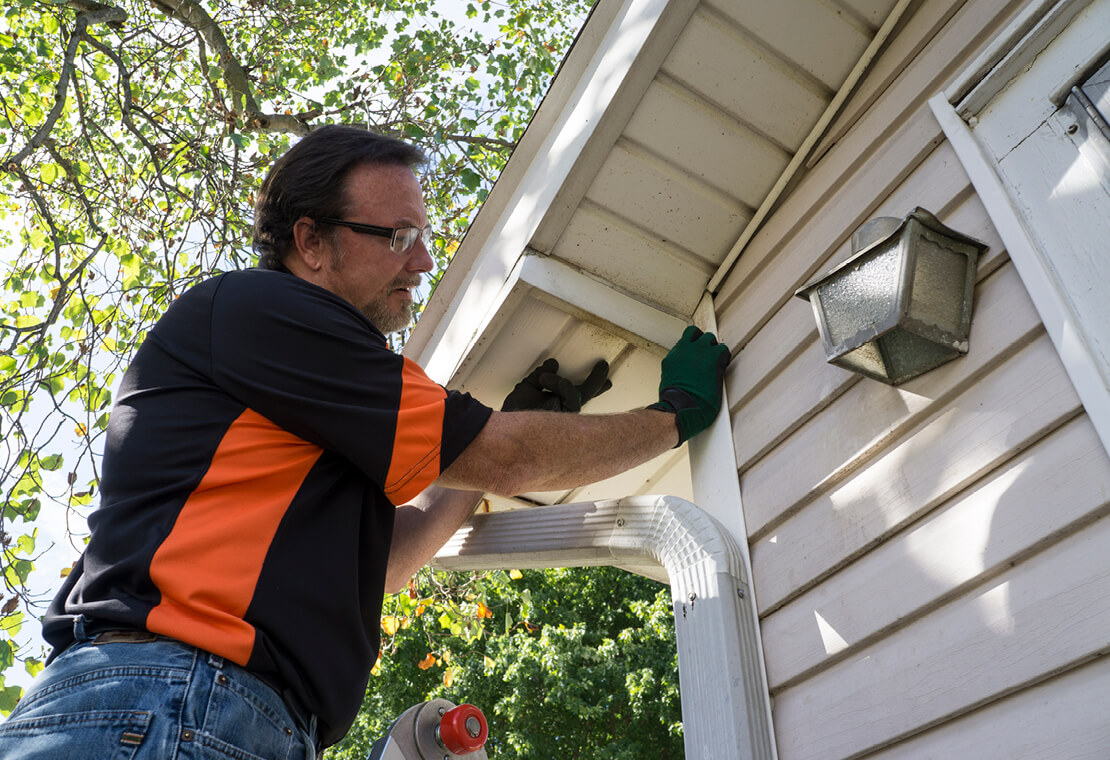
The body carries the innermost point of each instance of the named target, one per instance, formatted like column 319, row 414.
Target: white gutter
column 724, row 703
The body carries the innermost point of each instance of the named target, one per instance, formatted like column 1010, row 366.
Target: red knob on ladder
column 463, row 729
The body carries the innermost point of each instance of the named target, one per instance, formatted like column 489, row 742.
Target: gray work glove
column 544, row 388
column 692, row 376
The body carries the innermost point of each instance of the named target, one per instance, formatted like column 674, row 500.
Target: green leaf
column 26, row 544
column 470, row 179
column 33, row 666
column 9, row 698
column 13, row 623
column 53, row 384
column 49, row 172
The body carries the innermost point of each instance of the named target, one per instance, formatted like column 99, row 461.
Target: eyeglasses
column 401, row 239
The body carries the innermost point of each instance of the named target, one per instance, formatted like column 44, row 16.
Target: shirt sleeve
column 311, row 363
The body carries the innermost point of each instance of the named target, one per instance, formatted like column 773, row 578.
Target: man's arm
column 422, row 527
column 518, row 452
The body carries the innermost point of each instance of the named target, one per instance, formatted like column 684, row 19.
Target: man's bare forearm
column 517, row 452
column 421, row 528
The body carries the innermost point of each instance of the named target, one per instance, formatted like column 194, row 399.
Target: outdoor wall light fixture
column 901, row 305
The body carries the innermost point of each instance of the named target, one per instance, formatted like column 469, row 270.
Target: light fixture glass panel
column 865, row 359
column 908, row 355
column 939, row 279
column 862, row 296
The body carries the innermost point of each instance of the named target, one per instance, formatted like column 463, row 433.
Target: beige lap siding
column 926, row 559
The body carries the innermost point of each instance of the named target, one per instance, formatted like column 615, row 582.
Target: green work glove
column 545, row 389
column 691, row 379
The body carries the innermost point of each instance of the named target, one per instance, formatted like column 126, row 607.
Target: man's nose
column 420, row 258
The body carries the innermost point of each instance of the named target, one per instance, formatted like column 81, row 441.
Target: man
column 272, row 468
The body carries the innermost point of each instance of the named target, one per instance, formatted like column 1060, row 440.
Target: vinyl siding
column 928, row 560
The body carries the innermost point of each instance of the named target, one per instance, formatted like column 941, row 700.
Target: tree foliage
column 133, row 135
column 577, row 663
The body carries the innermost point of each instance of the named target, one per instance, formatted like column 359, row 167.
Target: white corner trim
column 1052, row 304
column 716, row 486
column 724, row 704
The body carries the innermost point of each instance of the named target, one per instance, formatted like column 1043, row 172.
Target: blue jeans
column 156, row 700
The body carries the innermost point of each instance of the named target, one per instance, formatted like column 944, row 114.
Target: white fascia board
column 595, row 300
column 724, row 704
column 523, row 196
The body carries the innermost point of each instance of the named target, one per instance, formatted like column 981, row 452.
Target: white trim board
column 571, row 291
column 1009, row 103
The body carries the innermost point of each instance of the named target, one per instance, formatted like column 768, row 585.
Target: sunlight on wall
column 996, row 611
column 954, row 548
column 832, row 640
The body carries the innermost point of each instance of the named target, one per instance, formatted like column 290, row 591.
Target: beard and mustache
column 379, row 311
column 387, row 319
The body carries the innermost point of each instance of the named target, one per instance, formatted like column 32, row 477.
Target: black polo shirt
column 258, row 445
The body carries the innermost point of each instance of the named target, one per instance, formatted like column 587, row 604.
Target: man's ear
column 310, row 247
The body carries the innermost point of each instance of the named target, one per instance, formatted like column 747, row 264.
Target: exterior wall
column 929, row 561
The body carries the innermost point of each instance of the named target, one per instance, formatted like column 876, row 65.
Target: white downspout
column 724, row 701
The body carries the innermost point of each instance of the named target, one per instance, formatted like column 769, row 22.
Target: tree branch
column 102, row 15
column 190, row 13
column 488, row 142
column 64, row 283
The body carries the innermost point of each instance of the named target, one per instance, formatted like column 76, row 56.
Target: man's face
column 363, row 269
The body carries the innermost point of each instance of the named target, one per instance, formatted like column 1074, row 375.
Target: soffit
column 696, row 127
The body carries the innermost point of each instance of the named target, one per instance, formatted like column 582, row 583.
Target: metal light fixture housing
column 901, row 305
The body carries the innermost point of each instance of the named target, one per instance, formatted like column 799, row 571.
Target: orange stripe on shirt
column 416, row 444
column 208, row 566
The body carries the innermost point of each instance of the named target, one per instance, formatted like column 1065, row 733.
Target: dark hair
column 310, row 180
